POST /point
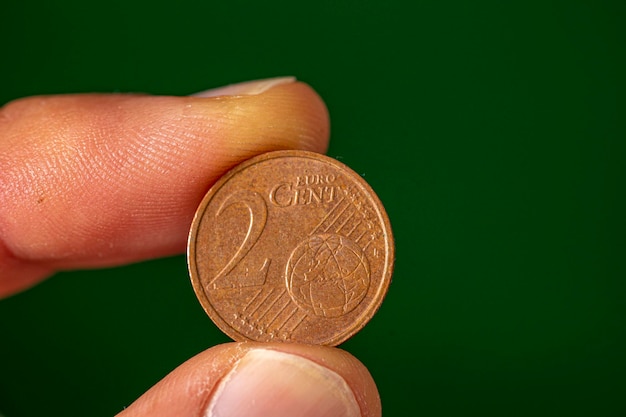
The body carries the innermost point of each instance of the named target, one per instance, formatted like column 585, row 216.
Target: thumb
column 99, row 180
column 252, row 379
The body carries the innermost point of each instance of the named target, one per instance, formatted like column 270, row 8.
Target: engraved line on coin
column 346, row 221
column 252, row 300
column 261, row 303
column 295, row 310
column 357, row 221
column 354, row 228
column 283, row 308
column 373, row 236
column 344, row 217
column 338, row 216
column 352, row 200
column 299, row 322
column 272, row 333
column 257, row 211
column 269, row 307
column 331, row 211
column 360, row 236
column 335, row 212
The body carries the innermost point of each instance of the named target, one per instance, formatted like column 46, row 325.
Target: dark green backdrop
column 493, row 132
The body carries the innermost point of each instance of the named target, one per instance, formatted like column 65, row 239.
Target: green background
column 494, row 133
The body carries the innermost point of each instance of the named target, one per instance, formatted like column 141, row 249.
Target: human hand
column 100, row 180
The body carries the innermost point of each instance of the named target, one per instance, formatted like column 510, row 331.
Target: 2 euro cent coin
column 291, row 246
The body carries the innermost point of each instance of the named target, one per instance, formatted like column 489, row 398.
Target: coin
column 291, row 246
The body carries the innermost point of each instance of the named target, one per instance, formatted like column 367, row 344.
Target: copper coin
column 291, row 246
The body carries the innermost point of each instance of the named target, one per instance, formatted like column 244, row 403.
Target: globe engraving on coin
column 327, row 275
column 291, row 246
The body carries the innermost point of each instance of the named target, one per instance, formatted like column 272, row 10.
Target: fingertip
column 255, row 379
column 315, row 114
column 287, row 116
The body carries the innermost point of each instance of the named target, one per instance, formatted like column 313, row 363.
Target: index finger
column 102, row 180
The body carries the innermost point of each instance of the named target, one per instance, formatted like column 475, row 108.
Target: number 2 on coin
column 257, row 211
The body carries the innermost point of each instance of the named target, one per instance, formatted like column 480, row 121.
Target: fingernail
column 248, row 88
column 268, row 383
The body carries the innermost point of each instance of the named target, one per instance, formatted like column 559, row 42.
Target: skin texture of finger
column 191, row 389
column 101, row 180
